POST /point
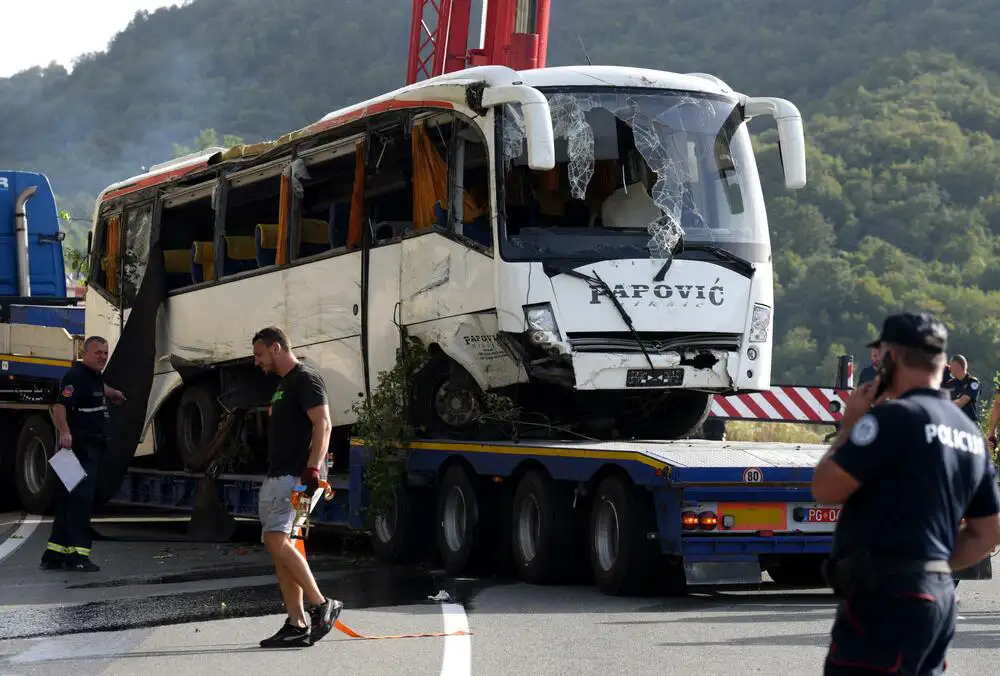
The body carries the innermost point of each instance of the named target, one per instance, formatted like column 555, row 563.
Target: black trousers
column 71, row 525
column 905, row 628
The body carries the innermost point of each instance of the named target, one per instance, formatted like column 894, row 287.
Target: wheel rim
column 606, row 535
column 36, row 466
column 528, row 527
column 455, row 407
column 385, row 523
column 454, row 519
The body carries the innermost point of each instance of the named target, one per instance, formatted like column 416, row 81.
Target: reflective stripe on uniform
column 59, row 548
column 93, row 409
column 82, row 551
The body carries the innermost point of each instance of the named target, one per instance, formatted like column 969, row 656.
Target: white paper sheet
column 68, row 468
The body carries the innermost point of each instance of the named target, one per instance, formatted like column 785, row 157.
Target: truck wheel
column 36, row 480
column 398, row 535
column 620, row 553
column 460, row 533
column 542, row 528
column 198, row 418
column 446, row 399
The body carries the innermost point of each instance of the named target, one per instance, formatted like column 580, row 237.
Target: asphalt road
column 161, row 605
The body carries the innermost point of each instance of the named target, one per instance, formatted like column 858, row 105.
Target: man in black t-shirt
column 906, row 471
column 964, row 387
column 81, row 417
column 868, row 373
column 298, row 437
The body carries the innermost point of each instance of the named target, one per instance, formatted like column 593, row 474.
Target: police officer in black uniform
column 81, row 416
column 964, row 387
column 869, row 372
column 907, row 470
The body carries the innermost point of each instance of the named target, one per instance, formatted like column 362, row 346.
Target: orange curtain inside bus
column 357, row 198
column 113, row 249
column 430, row 183
column 281, row 255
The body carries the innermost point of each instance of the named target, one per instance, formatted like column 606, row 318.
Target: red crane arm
column 515, row 34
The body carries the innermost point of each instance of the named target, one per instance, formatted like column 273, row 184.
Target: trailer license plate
column 816, row 514
column 654, row 378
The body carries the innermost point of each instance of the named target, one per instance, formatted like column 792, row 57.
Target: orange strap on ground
column 353, row 634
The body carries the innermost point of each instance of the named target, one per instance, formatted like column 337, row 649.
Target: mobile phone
column 885, row 372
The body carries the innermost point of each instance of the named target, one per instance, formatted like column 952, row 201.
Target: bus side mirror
column 791, row 140
column 537, row 121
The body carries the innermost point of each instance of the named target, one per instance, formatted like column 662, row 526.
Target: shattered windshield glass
column 635, row 172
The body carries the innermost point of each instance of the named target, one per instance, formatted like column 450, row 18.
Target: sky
column 41, row 31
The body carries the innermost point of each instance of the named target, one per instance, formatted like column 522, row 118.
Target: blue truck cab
column 46, row 271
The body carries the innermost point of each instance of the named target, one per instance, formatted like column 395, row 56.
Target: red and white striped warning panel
column 783, row 404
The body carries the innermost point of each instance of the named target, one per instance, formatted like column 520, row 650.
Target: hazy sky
column 37, row 32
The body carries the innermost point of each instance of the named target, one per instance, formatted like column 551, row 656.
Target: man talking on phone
column 906, row 470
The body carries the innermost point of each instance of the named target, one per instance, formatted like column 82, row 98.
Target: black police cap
column 920, row 330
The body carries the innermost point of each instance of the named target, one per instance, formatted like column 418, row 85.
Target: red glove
column 310, row 478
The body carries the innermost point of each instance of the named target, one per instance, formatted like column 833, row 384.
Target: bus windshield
column 636, row 171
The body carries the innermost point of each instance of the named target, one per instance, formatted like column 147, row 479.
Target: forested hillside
column 902, row 105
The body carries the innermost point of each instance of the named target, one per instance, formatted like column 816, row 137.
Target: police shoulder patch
column 974, row 385
column 67, row 391
column 865, row 430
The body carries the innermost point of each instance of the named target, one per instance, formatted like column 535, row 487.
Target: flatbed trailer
column 647, row 514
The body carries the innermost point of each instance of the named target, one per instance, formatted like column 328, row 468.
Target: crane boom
column 514, row 34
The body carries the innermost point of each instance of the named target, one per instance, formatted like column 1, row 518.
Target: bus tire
column 621, row 555
column 35, row 479
column 399, row 535
column 198, row 416
column 541, row 528
column 447, row 401
column 460, row 521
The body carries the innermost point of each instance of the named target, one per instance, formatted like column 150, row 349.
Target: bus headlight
column 759, row 323
column 542, row 327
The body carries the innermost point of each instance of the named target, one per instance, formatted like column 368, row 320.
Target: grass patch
column 792, row 433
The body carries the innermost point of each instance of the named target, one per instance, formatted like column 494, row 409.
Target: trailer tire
column 460, row 521
column 36, row 481
column 399, row 535
column 541, row 528
column 198, row 416
column 621, row 555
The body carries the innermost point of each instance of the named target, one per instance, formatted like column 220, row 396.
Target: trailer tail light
column 708, row 520
column 689, row 520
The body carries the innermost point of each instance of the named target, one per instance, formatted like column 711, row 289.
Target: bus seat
column 314, row 236
column 177, row 264
column 266, row 243
column 239, row 254
column 202, row 262
column 477, row 230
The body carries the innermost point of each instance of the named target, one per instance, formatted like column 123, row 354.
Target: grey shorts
column 274, row 505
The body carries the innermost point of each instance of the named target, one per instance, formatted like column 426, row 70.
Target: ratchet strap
column 353, row 634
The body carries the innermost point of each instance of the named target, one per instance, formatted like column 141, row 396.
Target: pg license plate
column 654, row 378
column 816, row 514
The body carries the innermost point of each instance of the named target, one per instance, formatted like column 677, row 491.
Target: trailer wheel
column 460, row 536
column 542, row 528
column 398, row 535
column 36, row 481
column 621, row 555
column 198, row 418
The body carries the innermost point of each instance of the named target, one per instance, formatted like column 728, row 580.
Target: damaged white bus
column 591, row 240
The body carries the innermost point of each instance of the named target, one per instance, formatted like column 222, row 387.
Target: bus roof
column 433, row 90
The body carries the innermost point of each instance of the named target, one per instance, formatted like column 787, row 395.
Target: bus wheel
column 621, row 555
column 398, row 535
column 675, row 416
column 36, row 481
column 198, row 415
column 460, row 533
column 447, row 401
column 542, row 528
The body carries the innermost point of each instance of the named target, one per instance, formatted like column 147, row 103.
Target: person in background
column 869, row 372
column 964, row 387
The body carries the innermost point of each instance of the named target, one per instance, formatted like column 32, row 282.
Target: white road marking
column 78, row 646
column 18, row 537
column 457, row 659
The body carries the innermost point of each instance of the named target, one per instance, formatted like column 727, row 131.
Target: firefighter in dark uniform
column 81, row 417
column 907, row 470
